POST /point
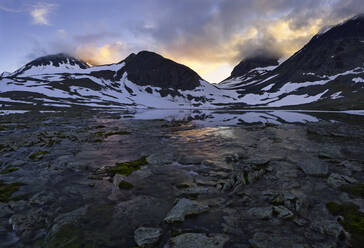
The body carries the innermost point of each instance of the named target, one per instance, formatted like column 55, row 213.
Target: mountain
column 249, row 69
column 142, row 80
column 57, row 63
column 328, row 72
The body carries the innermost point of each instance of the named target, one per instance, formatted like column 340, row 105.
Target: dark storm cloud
column 189, row 28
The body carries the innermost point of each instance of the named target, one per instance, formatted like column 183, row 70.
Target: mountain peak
column 251, row 63
column 54, row 63
column 151, row 68
column 57, row 60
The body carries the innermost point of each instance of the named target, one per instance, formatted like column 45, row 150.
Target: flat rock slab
column 183, row 208
column 313, row 167
column 147, row 236
column 197, row 240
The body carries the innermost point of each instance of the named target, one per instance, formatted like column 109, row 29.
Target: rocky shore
column 91, row 179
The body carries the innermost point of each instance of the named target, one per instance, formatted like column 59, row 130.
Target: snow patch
column 358, row 80
column 336, row 95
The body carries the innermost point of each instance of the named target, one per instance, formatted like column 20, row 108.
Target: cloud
column 105, row 54
column 206, row 35
column 218, row 33
column 41, row 11
column 11, row 10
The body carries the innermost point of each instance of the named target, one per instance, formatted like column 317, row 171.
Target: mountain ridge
column 327, row 73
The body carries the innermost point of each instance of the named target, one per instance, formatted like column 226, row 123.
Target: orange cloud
column 106, row 54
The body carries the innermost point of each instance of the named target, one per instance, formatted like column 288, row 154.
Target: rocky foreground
column 92, row 179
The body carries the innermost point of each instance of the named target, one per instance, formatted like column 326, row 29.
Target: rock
column 282, row 212
column 313, row 167
column 208, row 163
column 354, row 166
column 196, row 190
column 190, row 159
column 147, row 236
column 42, row 199
column 336, row 180
column 160, row 158
column 268, row 240
column 261, row 240
column 17, row 163
column 198, row 240
column 183, row 208
column 328, row 227
column 27, row 225
column 68, row 218
column 255, row 175
column 300, row 221
column 5, row 211
column 261, row 213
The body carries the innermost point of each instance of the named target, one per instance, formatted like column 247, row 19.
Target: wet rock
column 17, row 163
column 196, row 191
column 208, row 163
column 282, row 212
column 147, row 236
column 5, row 211
column 261, row 212
column 336, row 180
column 183, row 208
column 327, row 227
column 160, row 158
column 198, row 240
column 351, row 165
column 190, row 159
column 313, row 167
column 42, row 199
column 268, row 240
column 68, row 218
column 255, row 175
column 27, row 225
column 300, row 221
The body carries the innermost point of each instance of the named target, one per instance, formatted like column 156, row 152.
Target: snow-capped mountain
column 145, row 79
column 249, row 70
column 328, row 72
column 58, row 63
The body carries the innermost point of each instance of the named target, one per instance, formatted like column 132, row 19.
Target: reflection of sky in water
column 231, row 118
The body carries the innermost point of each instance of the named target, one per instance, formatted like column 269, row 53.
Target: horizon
column 214, row 38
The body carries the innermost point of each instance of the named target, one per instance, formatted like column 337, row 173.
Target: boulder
column 183, row 208
column 198, row 240
column 147, row 236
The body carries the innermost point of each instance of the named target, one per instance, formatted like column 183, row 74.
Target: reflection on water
column 232, row 118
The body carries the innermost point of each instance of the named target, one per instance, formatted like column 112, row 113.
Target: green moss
column 182, row 186
column 127, row 168
column 38, row 155
column 9, row 170
column 125, row 185
column 68, row 236
column 258, row 167
column 7, row 190
column 116, row 133
column 353, row 220
column 354, row 189
column 100, row 133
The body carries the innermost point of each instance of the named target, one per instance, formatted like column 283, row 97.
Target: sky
column 209, row 36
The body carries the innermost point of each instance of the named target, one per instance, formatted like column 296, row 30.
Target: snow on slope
column 274, row 99
column 126, row 93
